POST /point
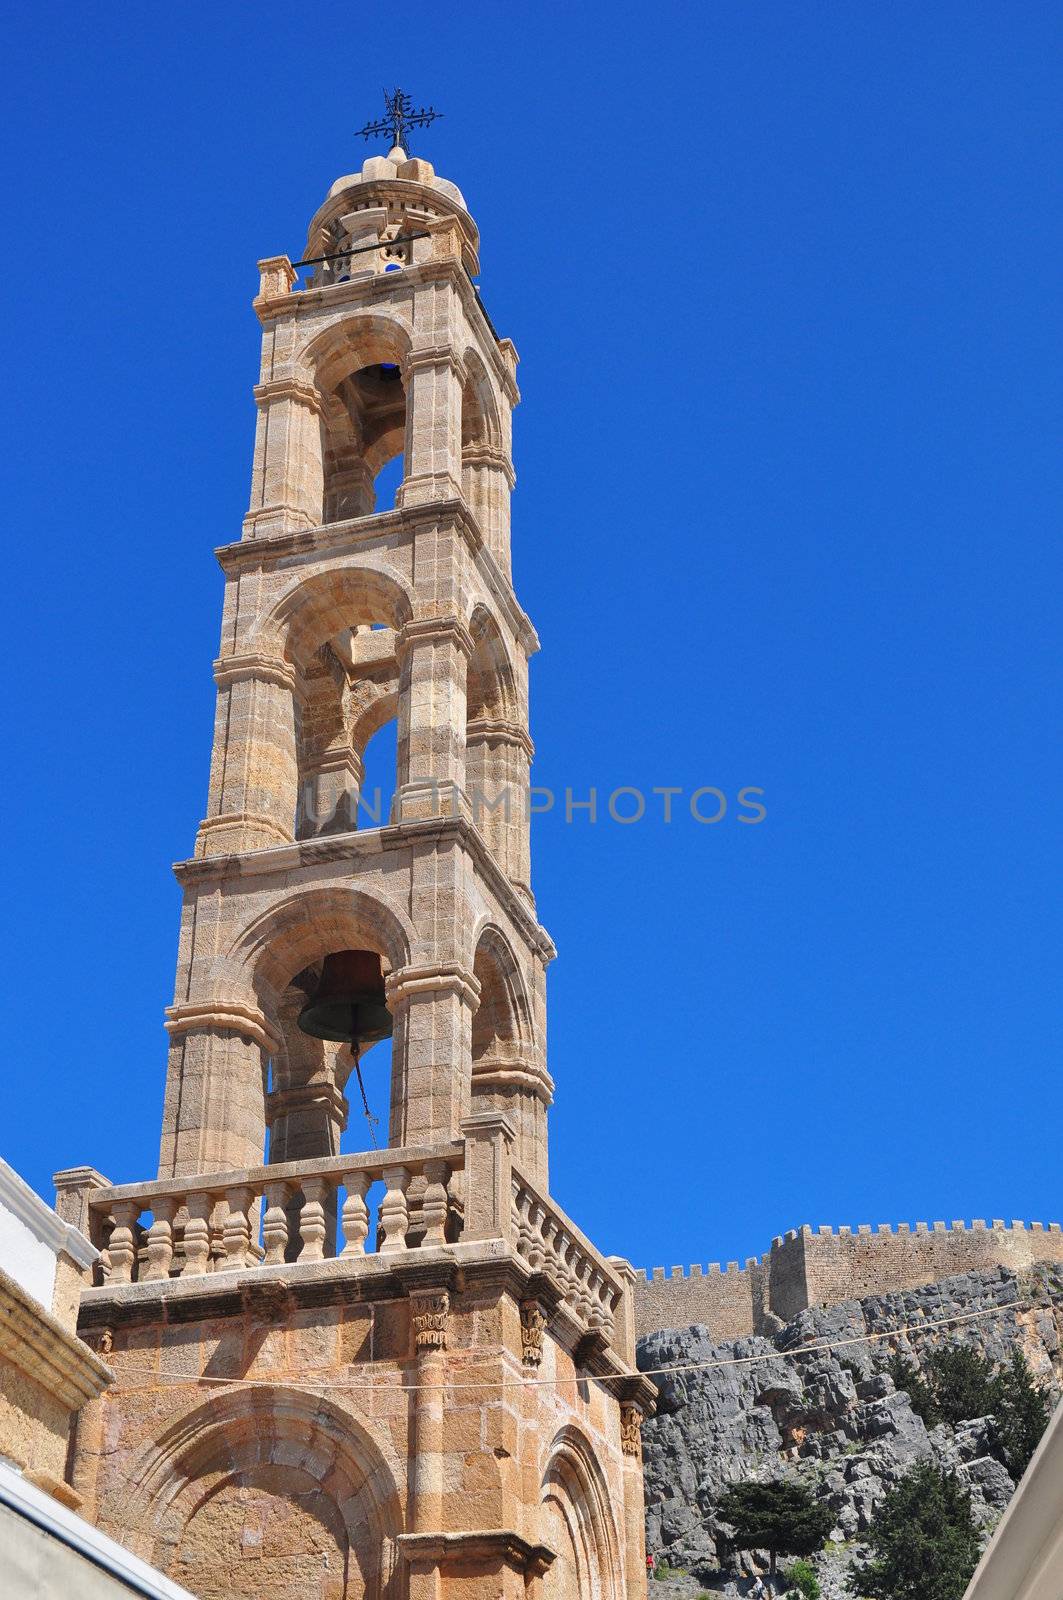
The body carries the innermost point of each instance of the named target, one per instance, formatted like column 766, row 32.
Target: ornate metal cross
column 400, row 116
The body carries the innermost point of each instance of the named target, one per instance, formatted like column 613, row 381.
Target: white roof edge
column 26, row 1500
column 37, row 1215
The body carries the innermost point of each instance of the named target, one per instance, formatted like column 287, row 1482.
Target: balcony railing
column 392, row 1200
column 551, row 1244
column 464, row 1195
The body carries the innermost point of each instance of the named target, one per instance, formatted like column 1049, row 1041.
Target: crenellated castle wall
column 806, row 1268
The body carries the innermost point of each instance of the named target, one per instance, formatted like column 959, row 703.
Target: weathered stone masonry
column 822, row 1268
column 321, row 1357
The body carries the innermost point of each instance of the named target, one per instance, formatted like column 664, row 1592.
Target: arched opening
column 269, row 1493
column 357, row 369
column 387, row 483
column 578, row 1524
column 506, row 1074
column 486, row 478
column 339, row 630
column 494, row 774
column 281, row 960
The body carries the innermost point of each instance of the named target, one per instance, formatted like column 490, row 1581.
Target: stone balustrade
column 555, row 1248
column 291, row 1212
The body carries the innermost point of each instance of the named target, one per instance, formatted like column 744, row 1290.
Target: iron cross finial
column 400, row 116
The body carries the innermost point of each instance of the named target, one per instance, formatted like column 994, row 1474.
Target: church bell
column 348, row 1005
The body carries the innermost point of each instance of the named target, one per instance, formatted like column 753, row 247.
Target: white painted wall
column 32, row 1236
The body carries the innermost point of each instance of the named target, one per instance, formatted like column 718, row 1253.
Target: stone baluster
column 595, row 1285
column 434, row 1204
column 275, row 1222
column 564, row 1247
column 160, row 1238
column 197, row 1235
column 236, row 1230
column 312, row 1228
column 394, row 1214
column 537, row 1224
column 355, row 1217
column 122, row 1246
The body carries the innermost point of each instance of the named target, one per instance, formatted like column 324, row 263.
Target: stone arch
column 313, row 610
column 491, row 691
column 274, row 963
column 281, row 1471
column 579, row 1523
column 508, row 1072
column 357, row 367
column 502, row 1023
column 323, row 623
column 480, row 423
column 305, row 926
column 362, row 339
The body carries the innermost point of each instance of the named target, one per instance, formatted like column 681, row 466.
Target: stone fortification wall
column 807, row 1269
column 721, row 1298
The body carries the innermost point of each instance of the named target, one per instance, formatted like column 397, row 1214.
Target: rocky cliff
column 832, row 1418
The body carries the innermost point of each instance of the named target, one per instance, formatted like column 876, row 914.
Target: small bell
column 348, row 1006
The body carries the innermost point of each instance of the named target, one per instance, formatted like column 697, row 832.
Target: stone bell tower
column 403, row 1372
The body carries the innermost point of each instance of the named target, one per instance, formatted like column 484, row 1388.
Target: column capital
column 631, row 1429
column 257, row 664
column 433, row 629
column 303, row 394
column 499, row 731
column 434, row 355
column 444, row 977
column 490, row 455
column 217, row 1016
column 485, row 1125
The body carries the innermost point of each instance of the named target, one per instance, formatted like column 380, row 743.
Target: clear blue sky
column 784, row 283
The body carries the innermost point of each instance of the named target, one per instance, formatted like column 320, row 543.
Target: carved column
column 487, row 480
column 433, row 655
column 254, row 773
column 432, row 379
column 634, row 1509
column 433, row 1008
column 429, row 1318
column 287, row 478
column 498, row 773
column 214, row 1112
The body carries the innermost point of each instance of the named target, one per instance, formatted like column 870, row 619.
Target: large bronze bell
column 348, row 1006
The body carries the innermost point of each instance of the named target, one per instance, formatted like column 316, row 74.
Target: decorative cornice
column 227, row 820
column 434, row 628
column 436, row 355
column 499, row 730
column 233, row 1016
column 445, row 977
column 441, row 1550
column 35, row 1214
column 514, row 1075
column 41, row 1348
column 255, row 664
column 333, row 538
column 490, row 455
column 373, row 841
column 281, row 1102
column 303, row 394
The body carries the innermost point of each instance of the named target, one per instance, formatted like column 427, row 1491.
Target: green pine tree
column 1021, row 1414
column 923, row 1539
column 780, row 1517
